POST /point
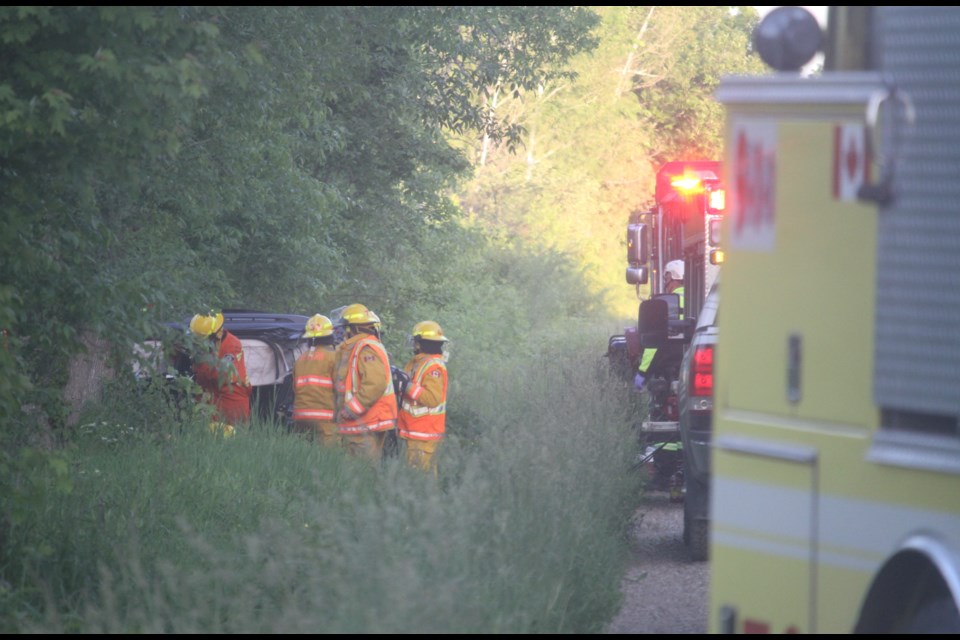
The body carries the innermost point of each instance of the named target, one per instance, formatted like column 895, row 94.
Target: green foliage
column 68, row 100
column 592, row 147
column 33, row 474
column 156, row 160
column 682, row 53
column 523, row 532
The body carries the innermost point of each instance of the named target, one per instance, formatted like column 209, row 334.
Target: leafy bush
column 262, row 532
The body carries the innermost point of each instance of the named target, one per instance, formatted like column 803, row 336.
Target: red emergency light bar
column 687, row 184
column 684, row 179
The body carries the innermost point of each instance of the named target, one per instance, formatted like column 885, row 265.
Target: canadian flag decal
column 850, row 163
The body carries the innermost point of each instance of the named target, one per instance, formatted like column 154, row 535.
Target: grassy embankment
column 145, row 523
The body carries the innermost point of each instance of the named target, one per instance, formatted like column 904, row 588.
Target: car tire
column 699, row 540
column 696, row 535
column 935, row 616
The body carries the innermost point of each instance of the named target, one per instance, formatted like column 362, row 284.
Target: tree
column 83, row 126
column 642, row 97
column 160, row 160
column 682, row 52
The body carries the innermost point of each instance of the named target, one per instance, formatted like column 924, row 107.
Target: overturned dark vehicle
column 271, row 345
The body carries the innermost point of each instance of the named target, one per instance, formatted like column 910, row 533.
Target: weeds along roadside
column 170, row 529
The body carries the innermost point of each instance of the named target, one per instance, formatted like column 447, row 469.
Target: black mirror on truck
column 653, row 324
column 637, row 275
column 660, row 318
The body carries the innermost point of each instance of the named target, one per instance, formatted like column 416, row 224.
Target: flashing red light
column 701, row 371
column 686, row 179
column 687, row 184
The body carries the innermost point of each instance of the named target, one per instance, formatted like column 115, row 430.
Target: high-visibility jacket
column 648, row 354
column 224, row 377
column 423, row 413
column 364, row 387
column 314, row 397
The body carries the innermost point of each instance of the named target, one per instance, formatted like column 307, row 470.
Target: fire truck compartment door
column 775, row 519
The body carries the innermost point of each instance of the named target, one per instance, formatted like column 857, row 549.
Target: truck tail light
column 701, row 373
column 717, row 201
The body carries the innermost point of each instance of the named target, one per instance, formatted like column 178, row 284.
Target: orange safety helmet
column 205, row 326
column 318, row 326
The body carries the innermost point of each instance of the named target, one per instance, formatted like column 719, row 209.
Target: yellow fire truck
column 835, row 502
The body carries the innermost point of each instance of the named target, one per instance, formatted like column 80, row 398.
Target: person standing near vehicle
column 314, row 401
column 672, row 283
column 221, row 372
column 422, row 420
column 666, row 455
column 366, row 407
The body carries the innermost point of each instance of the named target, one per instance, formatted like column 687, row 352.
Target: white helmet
column 673, row 270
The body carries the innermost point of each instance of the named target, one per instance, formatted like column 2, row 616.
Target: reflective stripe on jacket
column 364, row 386
column 313, row 384
column 423, row 414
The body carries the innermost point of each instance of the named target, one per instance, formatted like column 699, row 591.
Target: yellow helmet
column 429, row 330
column 359, row 314
column 206, row 326
column 318, row 326
column 222, row 429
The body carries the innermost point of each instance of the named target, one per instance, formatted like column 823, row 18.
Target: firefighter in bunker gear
column 366, row 408
column 422, row 420
column 221, row 371
column 672, row 283
column 313, row 401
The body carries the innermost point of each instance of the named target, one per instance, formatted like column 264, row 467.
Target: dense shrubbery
column 167, row 528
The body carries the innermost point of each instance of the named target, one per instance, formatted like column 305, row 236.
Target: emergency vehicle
column 835, row 501
column 684, row 224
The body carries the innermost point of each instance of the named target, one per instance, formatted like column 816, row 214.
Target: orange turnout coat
column 423, row 413
column 224, row 377
column 364, row 387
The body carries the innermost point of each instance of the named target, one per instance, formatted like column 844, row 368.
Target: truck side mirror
column 660, row 318
column 653, row 323
column 638, row 275
column 638, row 244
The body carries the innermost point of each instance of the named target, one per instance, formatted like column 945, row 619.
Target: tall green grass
column 170, row 529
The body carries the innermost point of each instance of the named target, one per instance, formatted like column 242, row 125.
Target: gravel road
column 664, row 591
